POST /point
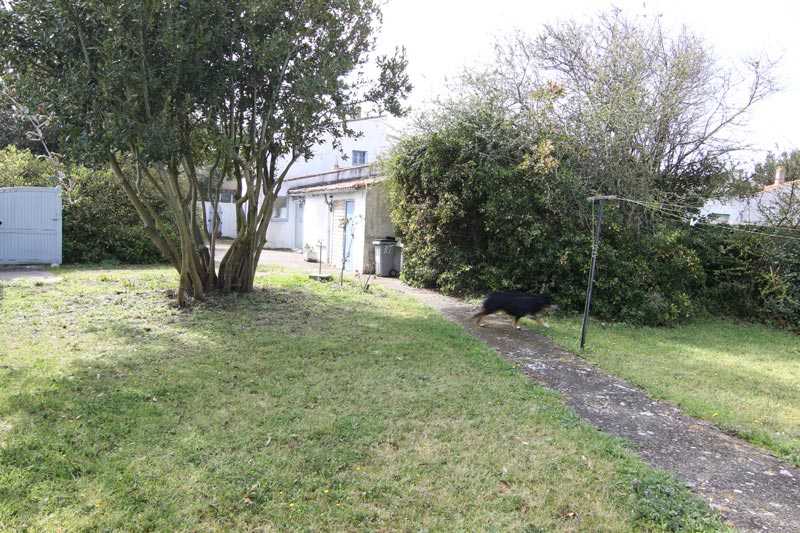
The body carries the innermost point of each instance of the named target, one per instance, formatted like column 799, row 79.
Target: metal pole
column 595, row 246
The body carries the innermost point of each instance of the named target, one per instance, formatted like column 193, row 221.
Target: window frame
column 276, row 216
column 353, row 157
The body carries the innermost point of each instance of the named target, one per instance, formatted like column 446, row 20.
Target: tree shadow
column 248, row 399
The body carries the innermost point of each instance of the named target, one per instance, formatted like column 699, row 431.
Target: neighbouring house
column 334, row 205
column 758, row 208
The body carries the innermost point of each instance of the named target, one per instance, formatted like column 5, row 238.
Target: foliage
column 21, row 128
column 642, row 112
column 181, row 94
column 764, row 171
column 98, row 222
column 21, row 168
column 155, row 419
column 490, row 194
column 744, row 378
column 752, row 275
column 477, row 210
column 476, row 213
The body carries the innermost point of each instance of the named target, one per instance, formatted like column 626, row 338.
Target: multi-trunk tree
column 178, row 97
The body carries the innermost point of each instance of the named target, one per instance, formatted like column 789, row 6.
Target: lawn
column 300, row 406
column 745, row 378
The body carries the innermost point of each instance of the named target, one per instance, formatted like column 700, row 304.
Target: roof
column 339, row 186
column 356, row 171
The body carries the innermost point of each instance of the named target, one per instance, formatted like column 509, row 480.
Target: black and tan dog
column 517, row 305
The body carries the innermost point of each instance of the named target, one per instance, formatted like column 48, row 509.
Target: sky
column 444, row 36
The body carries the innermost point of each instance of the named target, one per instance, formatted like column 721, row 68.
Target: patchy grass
column 744, row 378
column 299, row 406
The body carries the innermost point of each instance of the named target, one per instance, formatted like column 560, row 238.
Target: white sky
column 443, row 36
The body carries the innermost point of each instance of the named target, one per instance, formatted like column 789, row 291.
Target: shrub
column 478, row 212
column 752, row 276
column 98, row 222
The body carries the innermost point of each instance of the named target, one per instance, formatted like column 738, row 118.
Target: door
column 349, row 213
column 298, row 223
column 30, row 225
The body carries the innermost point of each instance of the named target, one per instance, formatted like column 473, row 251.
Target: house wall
column 378, row 222
column 741, row 210
column 280, row 232
column 227, row 217
column 316, row 225
column 374, row 140
column 359, row 215
column 322, row 225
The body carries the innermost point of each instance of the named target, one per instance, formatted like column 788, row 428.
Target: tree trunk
column 190, row 260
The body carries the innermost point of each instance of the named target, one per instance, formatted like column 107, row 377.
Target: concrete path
column 10, row 274
column 753, row 490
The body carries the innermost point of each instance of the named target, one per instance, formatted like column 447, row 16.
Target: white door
column 349, row 213
column 30, row 225
column 298, row 223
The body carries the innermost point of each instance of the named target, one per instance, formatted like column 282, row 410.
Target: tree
column 184, row 95
column 764, row 171
column 779, row 205
column 638, row 112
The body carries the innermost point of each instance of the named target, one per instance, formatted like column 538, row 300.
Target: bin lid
column 384, row 242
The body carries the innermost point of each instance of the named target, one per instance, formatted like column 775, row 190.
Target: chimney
column 780, row 175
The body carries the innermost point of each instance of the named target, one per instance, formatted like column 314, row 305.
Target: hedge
column 99, row 225
column 476, row 215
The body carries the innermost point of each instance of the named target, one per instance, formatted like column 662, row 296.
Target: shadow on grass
column 267, row 409
column 246, row 401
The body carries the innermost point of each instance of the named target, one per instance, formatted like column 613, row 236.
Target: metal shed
column 30, row 225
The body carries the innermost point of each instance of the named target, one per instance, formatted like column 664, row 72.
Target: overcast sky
column 443, row 36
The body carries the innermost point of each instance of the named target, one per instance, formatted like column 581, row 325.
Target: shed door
column 30, row 225
column 298, row 223
column 349, row 212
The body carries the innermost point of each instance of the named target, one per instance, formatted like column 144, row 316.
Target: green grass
column 744, row 378
column 300, row 406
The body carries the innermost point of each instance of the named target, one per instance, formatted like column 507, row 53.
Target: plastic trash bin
column 384, row 257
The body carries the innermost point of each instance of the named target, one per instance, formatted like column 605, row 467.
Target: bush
column 752, row 276
column 476, row 212
column 99, row 223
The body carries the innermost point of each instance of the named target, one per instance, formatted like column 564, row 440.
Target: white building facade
column 332, row 206
column 752, row 210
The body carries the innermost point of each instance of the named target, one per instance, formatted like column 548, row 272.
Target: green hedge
column 476, row 214
column 99, row 224
column 752, row 276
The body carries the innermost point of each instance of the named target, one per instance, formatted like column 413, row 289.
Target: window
column 719, row 218
column 280, row 211
column 226, row 197
column 359, row 157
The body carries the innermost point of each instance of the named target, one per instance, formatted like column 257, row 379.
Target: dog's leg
column 516, row 322
column 479, row 318
column 541, row 322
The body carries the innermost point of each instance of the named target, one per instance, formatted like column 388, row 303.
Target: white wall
column 322, row 225
column 741, row 210
column 227, row 216
column 375, row 141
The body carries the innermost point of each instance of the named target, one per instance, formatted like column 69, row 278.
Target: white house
column 752, row 209
column 336, row 203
